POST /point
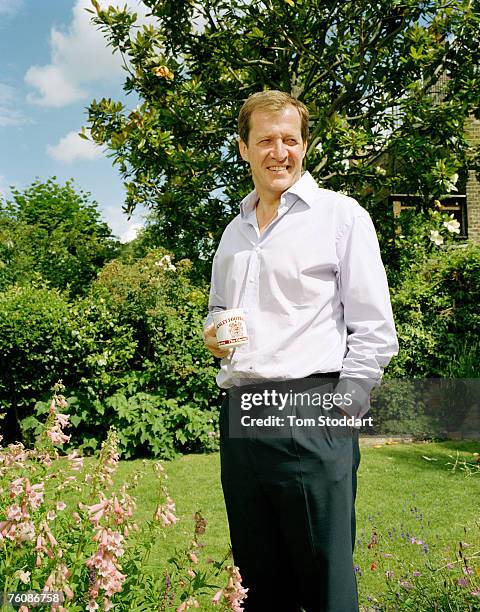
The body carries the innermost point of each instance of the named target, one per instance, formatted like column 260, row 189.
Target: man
column 304, row 264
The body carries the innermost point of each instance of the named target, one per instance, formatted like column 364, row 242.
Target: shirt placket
column 250, row 301
column 251, row 295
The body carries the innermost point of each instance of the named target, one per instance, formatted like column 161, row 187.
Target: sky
column 53, row 63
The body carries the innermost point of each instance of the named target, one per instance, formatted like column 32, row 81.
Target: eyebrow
column 266, row 136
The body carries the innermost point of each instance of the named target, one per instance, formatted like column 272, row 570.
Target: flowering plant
column 433, row 226
column 91, row 552
column 417, row 236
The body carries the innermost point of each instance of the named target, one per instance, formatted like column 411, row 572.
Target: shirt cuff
column 356, row 395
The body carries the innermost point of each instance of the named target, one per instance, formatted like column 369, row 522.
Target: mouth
column 278, row 169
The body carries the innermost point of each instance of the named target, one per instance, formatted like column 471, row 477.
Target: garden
column 109, row 463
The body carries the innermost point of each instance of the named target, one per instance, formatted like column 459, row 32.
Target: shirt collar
column 304, row 189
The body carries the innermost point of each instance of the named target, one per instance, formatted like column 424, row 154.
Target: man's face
column 275, row 150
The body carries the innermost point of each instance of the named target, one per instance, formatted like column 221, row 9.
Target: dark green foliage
column 130, row 352
column 437, row 316
column 166, row 310
column 44, row 338
column 35, row 348
column 56, row 232
column 155, row 426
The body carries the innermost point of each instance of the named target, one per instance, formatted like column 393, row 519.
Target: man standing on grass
column 304, row 264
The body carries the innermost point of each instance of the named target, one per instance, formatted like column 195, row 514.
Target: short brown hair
column 274, row 101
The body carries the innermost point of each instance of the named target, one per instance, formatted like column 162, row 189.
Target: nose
column 279, row 151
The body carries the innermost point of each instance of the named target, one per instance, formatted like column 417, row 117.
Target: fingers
column 210, row 340
column 210, row 331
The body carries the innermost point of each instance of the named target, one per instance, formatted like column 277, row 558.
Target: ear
column 243, row 150
column 305, row 144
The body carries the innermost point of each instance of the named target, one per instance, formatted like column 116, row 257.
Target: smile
column 278, row 168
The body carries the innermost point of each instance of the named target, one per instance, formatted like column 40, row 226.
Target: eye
column 291, row 141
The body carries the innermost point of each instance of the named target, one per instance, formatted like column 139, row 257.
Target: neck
column 268, row 203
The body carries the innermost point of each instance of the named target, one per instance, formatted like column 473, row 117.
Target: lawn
column 412, row 508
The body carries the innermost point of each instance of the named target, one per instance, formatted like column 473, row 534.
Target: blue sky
column 53, row 62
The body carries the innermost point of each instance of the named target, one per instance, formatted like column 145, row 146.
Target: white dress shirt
column 313, row 288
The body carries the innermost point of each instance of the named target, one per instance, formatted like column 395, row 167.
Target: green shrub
column 132, row 353
column 153, row 425
column 35, row 348
column 159, row 300
column 437, row 316
column 55, row 231
column 44, row 338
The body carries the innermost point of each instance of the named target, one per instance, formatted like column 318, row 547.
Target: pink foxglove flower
column 56, row 436
column 217, row 597
column 34, row 494
column 14, row 513
column 25, row 532
column 165, row 513
column 193, row 557
column 76, row 461
column 16, row 487
column 23, row 576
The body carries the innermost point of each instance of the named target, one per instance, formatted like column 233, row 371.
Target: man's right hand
column 210, row 340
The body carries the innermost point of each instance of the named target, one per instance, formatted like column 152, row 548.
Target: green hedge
column 437, row 316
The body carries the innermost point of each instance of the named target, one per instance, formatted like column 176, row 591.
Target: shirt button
column 257, row 249
column 282, row 201
column 251, row 280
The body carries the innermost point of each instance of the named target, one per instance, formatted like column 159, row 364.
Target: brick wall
column 473, row 186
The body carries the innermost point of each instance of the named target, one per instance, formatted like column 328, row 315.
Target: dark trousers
column 290, row 506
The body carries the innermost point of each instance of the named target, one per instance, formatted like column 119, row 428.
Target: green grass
column 399, row 491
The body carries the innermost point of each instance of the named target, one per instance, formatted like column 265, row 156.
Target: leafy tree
column 389, row 85
column 55, row 232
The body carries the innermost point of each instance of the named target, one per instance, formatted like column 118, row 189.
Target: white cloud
column 131, row 231
column 55, row 88
column 10, row 7
column 123, row 228
column 9, row 115
column 72, row 148
column 79, row 58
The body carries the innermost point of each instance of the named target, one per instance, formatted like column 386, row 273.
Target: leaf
column 75, row 420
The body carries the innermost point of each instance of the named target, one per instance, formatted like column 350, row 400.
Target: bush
column 43, row 338
column 35, row 348
column 158, row 299
column 437, row 317
column 418, row 235
column 131, row 351
column 152, row 425
column 55, row 231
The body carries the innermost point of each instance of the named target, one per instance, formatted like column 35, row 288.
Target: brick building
column 473, row 187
